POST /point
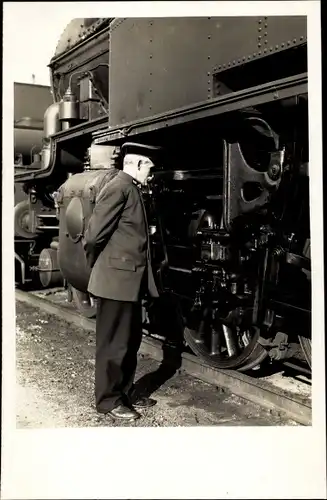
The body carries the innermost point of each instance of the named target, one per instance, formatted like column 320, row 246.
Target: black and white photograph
column 163, row 263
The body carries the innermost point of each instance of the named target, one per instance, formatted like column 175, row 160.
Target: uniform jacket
column 116, row 242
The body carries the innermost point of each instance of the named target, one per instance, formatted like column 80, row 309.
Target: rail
column 258, row 391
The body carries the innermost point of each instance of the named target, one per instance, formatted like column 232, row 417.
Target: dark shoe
column 122, row 412
column 143, row 402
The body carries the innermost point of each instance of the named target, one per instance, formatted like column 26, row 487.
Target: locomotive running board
column 251, row 389
column 234, row 101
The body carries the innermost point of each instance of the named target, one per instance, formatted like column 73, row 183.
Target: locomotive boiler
column 226, row 101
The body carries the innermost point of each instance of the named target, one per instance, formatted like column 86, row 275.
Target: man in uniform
column 117, row 249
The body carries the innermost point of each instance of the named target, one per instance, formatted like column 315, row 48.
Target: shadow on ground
column 164, row 318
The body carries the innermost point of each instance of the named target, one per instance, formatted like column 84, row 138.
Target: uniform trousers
column 118, row 339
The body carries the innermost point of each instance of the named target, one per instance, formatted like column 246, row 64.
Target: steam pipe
column 22, row 266
column 51, row 126
column 51, row 120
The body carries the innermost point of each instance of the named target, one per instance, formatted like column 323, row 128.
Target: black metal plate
column 161, row 64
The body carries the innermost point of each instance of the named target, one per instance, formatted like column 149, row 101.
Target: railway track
column 260, row 391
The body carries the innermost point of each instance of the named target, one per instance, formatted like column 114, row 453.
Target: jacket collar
column 128, row 178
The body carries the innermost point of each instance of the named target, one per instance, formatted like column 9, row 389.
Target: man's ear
column 139, row 164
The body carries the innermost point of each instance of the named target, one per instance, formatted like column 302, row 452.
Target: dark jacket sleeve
column 103, row 221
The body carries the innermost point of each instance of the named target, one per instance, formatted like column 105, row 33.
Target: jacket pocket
column 124, row 264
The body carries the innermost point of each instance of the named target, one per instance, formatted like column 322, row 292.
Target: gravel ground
column 55, row 384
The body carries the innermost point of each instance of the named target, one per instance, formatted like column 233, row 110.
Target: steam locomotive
column 30, row 103
column 226, row 100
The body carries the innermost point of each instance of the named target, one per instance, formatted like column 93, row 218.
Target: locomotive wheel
column 306, row 347
column 224, row 347
column 49, row 272
column 21, row 221
column 84, row 303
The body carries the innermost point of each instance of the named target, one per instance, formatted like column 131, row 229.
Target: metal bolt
column 259, row 44
column 274, row 171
